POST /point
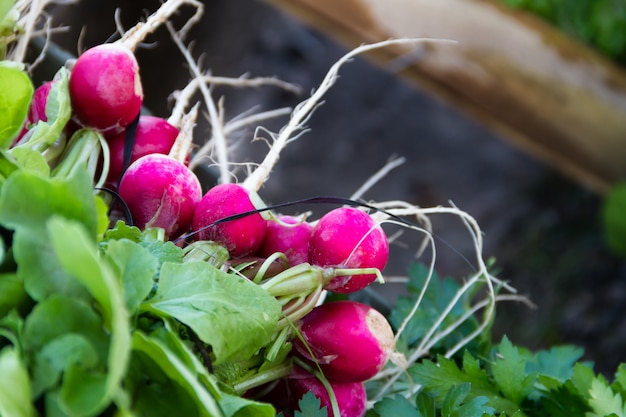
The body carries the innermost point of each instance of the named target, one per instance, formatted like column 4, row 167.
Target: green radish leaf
column 77, row 253
column 11, row 326
column 510, row 373
column 30, row 159
column 235, row 406
column 175, row 371
column 27, row 201
column 396, row 406
column 46, row 331
column 14, row 386
column 168, row 336
column 16, row 93
column 137, row 269
column 12, row 293
column 233, row 315
column 163, row 251
column 58, row 356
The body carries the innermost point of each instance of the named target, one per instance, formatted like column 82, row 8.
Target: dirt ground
column 542, row 229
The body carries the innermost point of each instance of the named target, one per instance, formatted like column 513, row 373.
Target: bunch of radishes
column 340, row 343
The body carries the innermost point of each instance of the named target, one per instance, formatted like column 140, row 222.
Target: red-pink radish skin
column 161, row 192
column 347, row 237
column 153, row 135
column 289, row 235
column 351, row 396
column 37, row 110
column 240, row 237
column 105, row 87
column 351, row 341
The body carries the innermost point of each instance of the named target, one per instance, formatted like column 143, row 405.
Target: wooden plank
column 544, row 92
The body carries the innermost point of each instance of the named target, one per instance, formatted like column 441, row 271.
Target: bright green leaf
column 16, row 93
column 236, row 406
column 27, row 201
column 603, row 401
column 14, row 386
column 12, row 293
column 57, row 356
column 11, row 326
column 177, row 372
column 54, row 326
column 30, row 159
column 137, row 269
column 233, row 315
column 441, row 376
column 78, row 254
column 457, row 404
column 510, row 373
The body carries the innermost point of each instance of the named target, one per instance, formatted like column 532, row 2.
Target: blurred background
column 543, row 229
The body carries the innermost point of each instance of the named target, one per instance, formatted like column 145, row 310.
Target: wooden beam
column 541, row 90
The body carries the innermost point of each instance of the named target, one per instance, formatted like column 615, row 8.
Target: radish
column 105, row 88
column 347, row 237
column 349, row 340
column 240, row 237
column 37, row 111
column 289, row 235
column 161, row 192
column 351, row 396
column 153, row 135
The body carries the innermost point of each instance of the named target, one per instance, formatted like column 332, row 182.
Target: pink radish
column 37, row 111
column 153, row 135
column 105, row 87
column 350, row 341
column 351, row 396
column 161, row 192
column 347, row 237
column 289, row 235
column 241, row 237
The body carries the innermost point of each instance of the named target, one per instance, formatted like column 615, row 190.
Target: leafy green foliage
column 16, row 92
column 310, row 406
column 437, row 296
column 600, row 23
column 233, row 315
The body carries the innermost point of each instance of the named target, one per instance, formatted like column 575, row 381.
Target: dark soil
column 542, row 228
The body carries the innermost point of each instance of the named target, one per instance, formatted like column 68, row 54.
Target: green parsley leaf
column 310, row 406
column 604, row 401
column 510, row 374
column 396, row 406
